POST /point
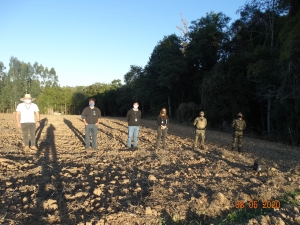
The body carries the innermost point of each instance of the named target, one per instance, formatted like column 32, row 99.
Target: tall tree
column 165, row 67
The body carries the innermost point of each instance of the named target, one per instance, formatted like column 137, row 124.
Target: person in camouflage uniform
column 238, row 125
column 200, row 125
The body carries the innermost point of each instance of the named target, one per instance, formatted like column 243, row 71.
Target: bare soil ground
column 62, row 183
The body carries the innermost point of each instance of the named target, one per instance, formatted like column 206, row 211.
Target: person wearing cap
column 238, row 125
column 28, row 119
column 200, row 125
column 91, row 118
column 162, row 122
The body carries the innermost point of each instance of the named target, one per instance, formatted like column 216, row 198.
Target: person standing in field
column 162, row 121
column 238, row 125
column 91, row 117
column 28, row 119
column 200, row 125
column 133, row 118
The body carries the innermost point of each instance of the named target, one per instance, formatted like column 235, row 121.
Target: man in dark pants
column 133, row 117
column 238, row 125
column 25, row 116
column 91, row 118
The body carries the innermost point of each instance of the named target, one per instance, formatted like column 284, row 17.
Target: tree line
column 250, row 65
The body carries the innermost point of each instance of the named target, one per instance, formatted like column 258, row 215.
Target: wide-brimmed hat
column 27, row 96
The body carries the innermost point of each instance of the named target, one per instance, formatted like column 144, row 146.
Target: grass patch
column 290, row 198
column 242, row 215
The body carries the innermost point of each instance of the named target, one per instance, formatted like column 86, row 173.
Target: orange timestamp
column 254, row 204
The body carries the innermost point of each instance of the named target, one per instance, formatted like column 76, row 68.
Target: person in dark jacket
column 162, row 122
column 91, row 118
column 133, row 117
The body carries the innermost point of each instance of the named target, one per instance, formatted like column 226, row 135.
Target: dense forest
column 250, row 65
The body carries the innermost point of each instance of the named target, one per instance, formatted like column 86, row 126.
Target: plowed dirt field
column 62, row 183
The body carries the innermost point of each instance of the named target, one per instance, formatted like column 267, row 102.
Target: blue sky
column 95, row 41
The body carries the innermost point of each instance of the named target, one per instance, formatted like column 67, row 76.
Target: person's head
column 27, row 98
column 163, row 112
column 135, row 104
column 239, row 115
column 201, row 114
column 92, row 102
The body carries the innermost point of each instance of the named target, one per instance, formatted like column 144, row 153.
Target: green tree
column 165, row 67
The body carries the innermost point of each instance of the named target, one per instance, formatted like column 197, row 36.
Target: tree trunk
column 272, row 24
column 269, row 115
column 262, row 120
column 169, row 103
column 202, row 97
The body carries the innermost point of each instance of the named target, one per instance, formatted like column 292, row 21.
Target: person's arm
column 18, row 114
column 128, row 115
column 83, row 116
column 233, row 124
column 195, row 121
column 99, row 117
column 165, row 126
column 158, row 121
column 84, row 121
column 38, row 123
column 205, row 122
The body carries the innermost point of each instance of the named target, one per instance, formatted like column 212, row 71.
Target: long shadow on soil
column 39, row 130
column 113, row 129
column 120, row 124
column 51, row 175
column 111, row 134
column 77, row 133
column 44, row 175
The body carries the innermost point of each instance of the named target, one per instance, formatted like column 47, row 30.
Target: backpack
column 259, row 167
column 201, row 123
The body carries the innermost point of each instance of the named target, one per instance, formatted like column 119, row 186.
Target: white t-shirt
column 27, row 112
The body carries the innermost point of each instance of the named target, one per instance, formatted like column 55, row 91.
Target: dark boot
column 232, row 148
column 202, row 147
column 239, row 149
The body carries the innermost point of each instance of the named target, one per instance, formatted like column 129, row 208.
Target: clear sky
column 88, row 41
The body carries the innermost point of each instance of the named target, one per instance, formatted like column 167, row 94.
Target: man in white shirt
column 26, row 120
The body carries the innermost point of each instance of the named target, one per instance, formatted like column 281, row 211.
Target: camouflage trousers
column 199, row 134
column 237, row 138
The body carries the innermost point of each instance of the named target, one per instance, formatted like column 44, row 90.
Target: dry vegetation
column 62, row 183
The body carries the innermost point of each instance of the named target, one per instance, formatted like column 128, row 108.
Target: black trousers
column 26, row 129
column 161, row 135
